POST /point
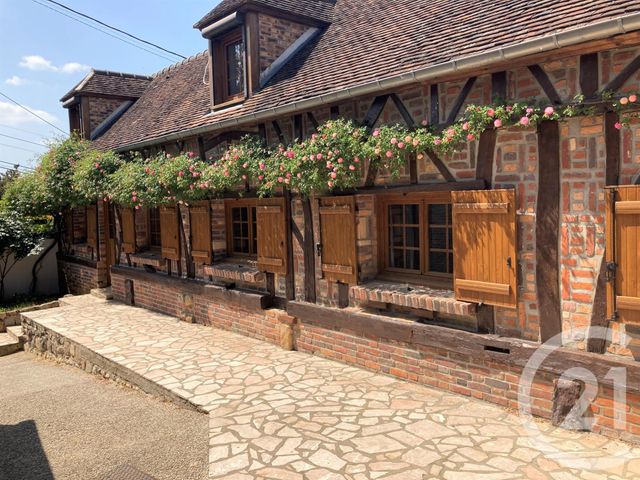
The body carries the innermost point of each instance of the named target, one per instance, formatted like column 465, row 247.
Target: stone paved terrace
column 287, row 415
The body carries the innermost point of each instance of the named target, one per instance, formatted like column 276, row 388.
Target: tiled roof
column 321, row 10
column 111, row 83
column 368, row 40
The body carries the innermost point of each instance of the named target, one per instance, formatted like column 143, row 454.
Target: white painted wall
column 19, row 279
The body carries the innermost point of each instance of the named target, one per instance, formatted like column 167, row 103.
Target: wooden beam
column 620, row 79
column 435, row 105
column 278, row 130
column 309, row 253
column 486, row 154
column 406, row 116
column 202, row 153
column 545, row 82
column 311, row 117
column 290, row 286
column 335, row 112
column 439, row 164
column 499, row 86
column 548, row 231
column 423, row 187
column 589, row 75
column 297, row 127
column 262, row 132
column 373, row 115
column 462, row 96
column 596, row 344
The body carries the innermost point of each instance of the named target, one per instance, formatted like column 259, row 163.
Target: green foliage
column 6, row 178
column 26, row 196
column 91, row 175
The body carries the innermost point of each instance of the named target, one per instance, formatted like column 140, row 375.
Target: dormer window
column 229, row 85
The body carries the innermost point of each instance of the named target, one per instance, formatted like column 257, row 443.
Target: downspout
column 597, row 31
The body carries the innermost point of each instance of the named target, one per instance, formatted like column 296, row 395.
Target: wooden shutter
column 169, row 236
column 338, row 239
column 272, row 235
column 92, row 226
column 623, row 253
column 484, row 247
column 128, row 230
column 201, row 232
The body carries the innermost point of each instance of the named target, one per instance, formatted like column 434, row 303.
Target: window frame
column 153, row 247
column 220, row 71
column 82, row 223
column 423, row 276
column 252, row 205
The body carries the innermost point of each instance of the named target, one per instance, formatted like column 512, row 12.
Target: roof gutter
column 596, row 31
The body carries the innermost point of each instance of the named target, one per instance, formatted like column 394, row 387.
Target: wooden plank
column 290, row 284
column 128, row 227
column 338, row 239
column 169, row 233
column 619, row 80
column 628, row 208
column 92, row 227
column 486, row 155
column 200, row 226
column 628, row 303
column 272, row 230
column 485, row 245
column 484, row 287
column 548, row 231
column 484, row 208
column 499, row 86
column 278, row 130
column 435, row 105
column 439, row 164
column 589, row 75
column 613, row 148
column 462, row 97
column 547, row 86
column 423, row 187
column 626, row 254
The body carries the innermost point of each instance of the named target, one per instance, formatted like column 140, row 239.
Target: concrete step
column 8, row 345
column 103, row 293
column 17, row 334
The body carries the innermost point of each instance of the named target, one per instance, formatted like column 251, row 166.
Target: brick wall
column 80, row 279
column 177, row 302
column 100, row 108
column 276, row 35
column 482, row 375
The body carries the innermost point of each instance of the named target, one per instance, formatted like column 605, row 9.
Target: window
column 228, row 68
column 417, row 236
column 242, row 229
column 79, row 225
column 155, row 238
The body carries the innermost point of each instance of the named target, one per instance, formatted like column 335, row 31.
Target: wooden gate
column 623, row 253
column 338, row 239
column 484, row 246
column 272, row 235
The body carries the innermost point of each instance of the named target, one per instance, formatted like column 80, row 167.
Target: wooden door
column 338, row 239
column 484, row 247
column 623, row 253
column 169, row 232
column 273, row 231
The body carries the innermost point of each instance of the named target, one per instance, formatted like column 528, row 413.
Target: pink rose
column 333, row 175
column 341, row 160
column 633, row 98
column 525, row 121
column 352, row 168
column 408, row 139
column 181, row 174
column 260, row 177
column 262, row 166
column 470, row 137
column 437, row 141
column 624, row 101
column 244, row 177
column 376, row 133
column 280, row 179
column 416, row 142
column 319, row 156
column 425, row 122
column 549, row 111
column 401, row 145
column 529, row 111
column 245, row 165
column 299, row 175
column 465, row 126
column 134, row 199
column 394, row 141
column 330, row 183
column 356, row 160
column 290, row 154
column 497, row 123
column 389, row 154
column 491, row 112
column 618, row 125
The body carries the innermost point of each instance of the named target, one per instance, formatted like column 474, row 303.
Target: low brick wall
column 79, row 275
column 244, row 313
column 485, row 367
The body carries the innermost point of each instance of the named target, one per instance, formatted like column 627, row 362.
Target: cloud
column 16, row 81
column 41, row 64
column 13, row 115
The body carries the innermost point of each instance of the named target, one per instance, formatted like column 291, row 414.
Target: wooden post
column 290, row 286
column 548, row 231
column 612, row 173
column 309, row 253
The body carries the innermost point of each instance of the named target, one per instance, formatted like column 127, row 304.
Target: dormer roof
column 103, row 82
column 315, row 10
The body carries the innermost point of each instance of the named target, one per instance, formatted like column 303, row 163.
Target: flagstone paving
column 287, row 415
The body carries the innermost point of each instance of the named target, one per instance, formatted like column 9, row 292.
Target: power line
column 2, row 125
column 109, row 34
column 32, row 113
column 23, row 140
column 116, row 29
column 14, row 165
column 19, row 148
